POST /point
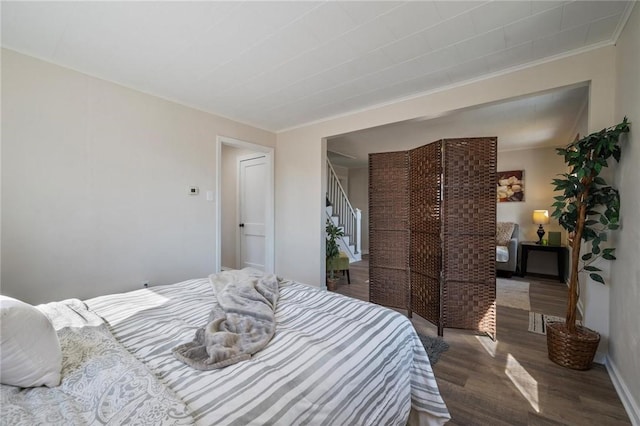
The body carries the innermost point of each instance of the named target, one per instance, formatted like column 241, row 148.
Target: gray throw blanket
column 241, row 323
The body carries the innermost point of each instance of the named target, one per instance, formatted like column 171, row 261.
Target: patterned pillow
column 503, row 232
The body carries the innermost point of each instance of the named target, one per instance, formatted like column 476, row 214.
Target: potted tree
column 587, row 209
column 333, row 252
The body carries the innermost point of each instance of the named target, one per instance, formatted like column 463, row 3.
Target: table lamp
column 540, row 217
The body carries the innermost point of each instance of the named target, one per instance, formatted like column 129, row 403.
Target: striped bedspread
column 333, row 360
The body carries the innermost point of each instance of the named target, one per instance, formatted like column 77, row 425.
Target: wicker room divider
column 425, row 226
column 432, row 213
column 389, row 229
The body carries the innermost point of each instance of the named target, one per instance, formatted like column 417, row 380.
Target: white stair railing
column 350, row 218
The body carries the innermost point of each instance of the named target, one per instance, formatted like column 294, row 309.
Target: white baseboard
column 600, row 358
column 629, row 403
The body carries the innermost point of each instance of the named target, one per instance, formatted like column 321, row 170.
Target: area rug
column 538, row 322
column 512, row 294
column 434, row 346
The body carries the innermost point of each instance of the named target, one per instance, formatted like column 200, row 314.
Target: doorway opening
column 244, row 205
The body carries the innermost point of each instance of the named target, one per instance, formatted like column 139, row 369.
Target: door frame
column 269, row 265
column 240, row 159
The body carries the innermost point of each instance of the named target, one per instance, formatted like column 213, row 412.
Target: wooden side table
column 527, row 246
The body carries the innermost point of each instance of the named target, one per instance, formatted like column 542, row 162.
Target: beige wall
column 308, row 145
column 94, row 184
column 343, row 176
column 301, row 174
column 582, row 124
column 359, row 197
column 540, row 167
column 624, row 344
column 229, row 204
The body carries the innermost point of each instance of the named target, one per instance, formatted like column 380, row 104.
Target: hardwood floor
column 511, row 381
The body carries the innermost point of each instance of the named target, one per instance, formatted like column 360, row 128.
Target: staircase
column 343, row 215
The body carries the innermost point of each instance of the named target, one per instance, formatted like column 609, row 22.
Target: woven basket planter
column 571, row 350
column 332, row 283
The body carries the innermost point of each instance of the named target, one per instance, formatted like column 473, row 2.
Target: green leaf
column 587, row 256
column 588, row 234
column 597, row 278
column 597, row 168
column 599, row 181
column 616, row 153
column 608, row 256
column 592, row 268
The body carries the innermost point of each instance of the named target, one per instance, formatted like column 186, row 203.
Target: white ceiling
column 282, row 64
column 543, row 120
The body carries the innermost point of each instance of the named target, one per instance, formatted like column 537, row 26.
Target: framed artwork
column 510, row 186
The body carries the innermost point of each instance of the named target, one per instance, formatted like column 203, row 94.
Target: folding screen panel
column 432, row 216
column 425, row 259
column 389, row 229
column 469, row 226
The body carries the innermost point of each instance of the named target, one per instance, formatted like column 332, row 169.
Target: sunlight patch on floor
column 489, row 345
column 526, row 384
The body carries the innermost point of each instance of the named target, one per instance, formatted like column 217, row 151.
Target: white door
column 252, row 210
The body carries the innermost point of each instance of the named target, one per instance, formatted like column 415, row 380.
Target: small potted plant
column 587, row 209
column 333, row 252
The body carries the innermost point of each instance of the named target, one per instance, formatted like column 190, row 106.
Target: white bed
column 333, row 360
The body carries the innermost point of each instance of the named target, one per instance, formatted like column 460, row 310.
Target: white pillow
column 30, row 352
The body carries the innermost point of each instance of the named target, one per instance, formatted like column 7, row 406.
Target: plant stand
column 571, row 350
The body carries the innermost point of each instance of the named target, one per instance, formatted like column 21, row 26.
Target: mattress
column 333, row 359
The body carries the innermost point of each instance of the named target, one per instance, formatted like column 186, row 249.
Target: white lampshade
column 541, row 217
